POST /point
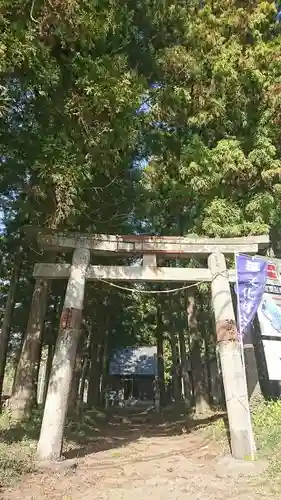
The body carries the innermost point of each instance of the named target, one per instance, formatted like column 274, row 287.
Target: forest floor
column 132, row 455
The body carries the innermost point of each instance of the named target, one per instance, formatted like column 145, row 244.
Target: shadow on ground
column 97, row 431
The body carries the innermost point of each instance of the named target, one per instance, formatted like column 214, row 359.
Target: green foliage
column 69, row 124
column 215, row 155
column 74, row 76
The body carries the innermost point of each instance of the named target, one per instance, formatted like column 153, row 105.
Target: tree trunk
column 85, row 370
column 103, row 370
column 160, row 354
column 40, row 377
column 50, row 337
column 219, row 382
column 7, row 320
column 200, row 396
column 184, row 368
column 17, row 358
column 38, row 368
column 48, row 371
column 176, row 376
column 186, row 382
column 24, row 391
column 50, row 441
column 208, row 372
column 175, row 367
column 77, row 372
column 94, row 375
column 74, row 392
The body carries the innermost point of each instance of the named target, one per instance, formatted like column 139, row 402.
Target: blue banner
column 251, row 279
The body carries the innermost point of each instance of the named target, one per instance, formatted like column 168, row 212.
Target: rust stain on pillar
column 226, row 330
column 71, row 318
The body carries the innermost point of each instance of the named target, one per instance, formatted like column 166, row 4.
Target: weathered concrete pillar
column 50, row 441
column 233, row 373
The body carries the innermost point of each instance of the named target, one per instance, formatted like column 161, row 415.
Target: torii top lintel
column 105, row 244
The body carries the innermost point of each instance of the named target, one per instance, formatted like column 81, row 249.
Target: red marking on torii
column 272, row 272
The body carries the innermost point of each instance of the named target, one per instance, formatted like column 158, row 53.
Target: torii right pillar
column 232, row 366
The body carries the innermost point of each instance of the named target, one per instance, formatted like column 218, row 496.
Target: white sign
column 272, row 352
column 269, row 315
column 269, row 311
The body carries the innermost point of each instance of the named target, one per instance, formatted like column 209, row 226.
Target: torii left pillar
column 51, row 436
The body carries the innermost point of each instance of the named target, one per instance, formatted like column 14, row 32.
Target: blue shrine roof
column 134, row 361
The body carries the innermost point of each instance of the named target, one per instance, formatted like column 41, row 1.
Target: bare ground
column 135, row 456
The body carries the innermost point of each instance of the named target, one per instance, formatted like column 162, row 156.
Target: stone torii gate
column 149, row 248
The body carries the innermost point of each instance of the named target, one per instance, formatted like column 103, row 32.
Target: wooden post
column 50, row 441
column 233, row 372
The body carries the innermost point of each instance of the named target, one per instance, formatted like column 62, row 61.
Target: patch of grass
column 8, row 378
column 14, row 462
column 267, row 428
column 16, row 450
column 18, row 441
column 83, row 428
column 266, row 418
column 13, row 431
column 218, row 431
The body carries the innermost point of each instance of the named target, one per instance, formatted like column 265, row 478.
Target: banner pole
column 253, row 448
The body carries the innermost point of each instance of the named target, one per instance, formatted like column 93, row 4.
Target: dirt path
column 175, row 466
